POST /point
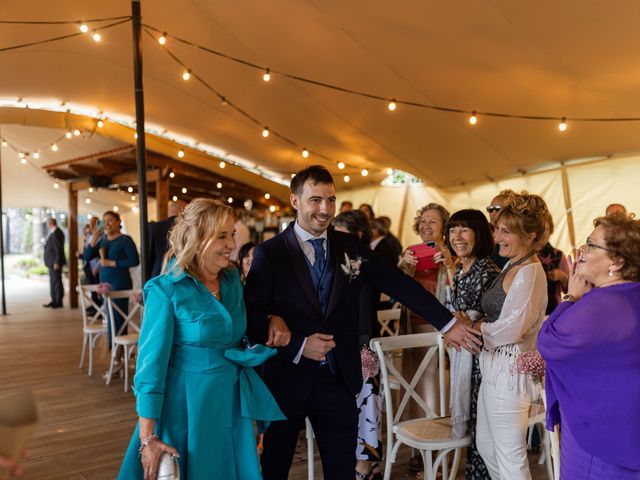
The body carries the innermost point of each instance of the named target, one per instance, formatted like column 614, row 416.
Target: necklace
column 216, row 292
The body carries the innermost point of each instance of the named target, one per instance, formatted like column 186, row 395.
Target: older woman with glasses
column 591, row 347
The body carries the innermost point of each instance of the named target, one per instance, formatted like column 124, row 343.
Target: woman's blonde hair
column 524, row 214
column 195, row 229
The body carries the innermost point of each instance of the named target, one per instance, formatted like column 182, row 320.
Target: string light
column 172, row 175
column 347, row 179
column 96, row 37
column 186, row 75
column 88, row 201
column 174, row 198
column 20, row 155
column 293, row 175
column 562, row 126
column 68, row 135
column 267, row 75
column 76, row 132
column 54, row 147
column 134, row 209
column 305, row 153
column 364, row 172
column 230, row 199
column 4, row 143
column 135, row 135
column 389, row 171
column 130, row 189
column 184, row 190
column 219, row 185
column 265, row 132
column 162, row 39
column 341, row 165
column 116, row 208
column 222, row 164
column 392, row 105
column 272, row 208
column 180, row 154
column 91, row 190
column 267, row 196
column 23, row 161
column 473, row 119
column 84, row 28
column 56, row 185
column 100, row 124
column 36, row 155
column 89, row 216
column 133, row 198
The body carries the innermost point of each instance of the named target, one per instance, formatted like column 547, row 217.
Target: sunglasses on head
column 493, row 208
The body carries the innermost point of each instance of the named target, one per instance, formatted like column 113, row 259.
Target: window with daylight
column 398, row 177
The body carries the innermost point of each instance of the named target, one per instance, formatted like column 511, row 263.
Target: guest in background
column 369, row 401
column 367, row 210
column 378, row 245
column 346, row 206
column 243, row 235
column 158, row 235
column 54, row 259
column 91, row 269
column 470, row 238
column 390, row 238
column 616, row 208
column 514, row 307
column 245, row 257
column 197, row 393
column 555, row 266
column 590, row 345
column 493, row 209
column 117, row 254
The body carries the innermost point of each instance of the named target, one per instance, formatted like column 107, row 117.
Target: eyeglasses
column 590, row 246
column 493, row 208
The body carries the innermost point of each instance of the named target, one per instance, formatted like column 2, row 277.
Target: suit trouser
column 56, row 289
column 501, row 432
column 334, row 416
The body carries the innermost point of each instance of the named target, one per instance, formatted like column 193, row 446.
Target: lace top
column 493, row 298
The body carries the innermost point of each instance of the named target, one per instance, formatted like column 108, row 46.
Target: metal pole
column 141, row 152
column 4, row 300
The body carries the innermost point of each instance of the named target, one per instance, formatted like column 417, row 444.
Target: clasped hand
column 150, row 457
column 463, row 335
column 317, row 346
column 279, row 333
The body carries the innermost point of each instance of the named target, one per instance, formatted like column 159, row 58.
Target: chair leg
column 91, row 342
column 84, row 347
column 126, row 368
column 310, row 467
column 114, row 351
column 427, row 461
column 390, row 459
column 455, row 465
column 445, row 466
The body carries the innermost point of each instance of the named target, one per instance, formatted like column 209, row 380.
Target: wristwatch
column 567, row 297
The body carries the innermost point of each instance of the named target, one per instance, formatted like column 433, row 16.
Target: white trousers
column 501, row 432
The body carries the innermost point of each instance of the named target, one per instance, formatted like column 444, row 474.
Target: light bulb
column 392, row 105
column 272, row 208
column 36, row 155
column 473, row 119
column 89, row 216
column 267, row 75
column 219, row 185
column 347, row 179
column 68, row 134
column 305, row 153
column 265, row 132
column 130, row 189
column 172, row 175
column 267, row 196
column 90, row 189
column 364, row 172
column 293, row 175
column 134, row 209
column 88, row 201
column 56, row 185
column 133, row 198
column 174, row 198
column 115, row 208
column 180, row 153
column 223, row 102
column 389, row 171
column 230, row 199
column 100, row 124
column 341, row 165
column 135, row 135
column 562, row 126
column 84, row 28
column 76, row 132
column 21, row 155
column 222, row 164
column 163, row 38
column 96, row 37
column 54, row 147
column 186, row 75
column 23, row 161
column 184, row 190
column 4, row 143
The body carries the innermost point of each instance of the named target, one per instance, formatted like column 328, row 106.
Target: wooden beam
column 93, row 156
column 73, row 245
column 117, row 180
column 87, row 170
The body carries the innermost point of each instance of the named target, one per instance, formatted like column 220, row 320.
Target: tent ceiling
column 569, row 58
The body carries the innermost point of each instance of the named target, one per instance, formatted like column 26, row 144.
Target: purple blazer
column 592, row 351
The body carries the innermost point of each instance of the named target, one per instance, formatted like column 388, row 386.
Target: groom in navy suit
column 302, row 295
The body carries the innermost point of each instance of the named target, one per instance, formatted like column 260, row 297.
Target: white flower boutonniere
column 351, row 267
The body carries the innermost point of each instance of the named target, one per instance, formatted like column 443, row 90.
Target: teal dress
column 198, row 383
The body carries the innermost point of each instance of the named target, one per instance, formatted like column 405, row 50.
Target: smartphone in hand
column 424, row 254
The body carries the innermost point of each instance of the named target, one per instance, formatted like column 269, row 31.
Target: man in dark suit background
column 158, row 236
column 391, row 239
column 379, row 245
column 302, row 295
column 54, row 259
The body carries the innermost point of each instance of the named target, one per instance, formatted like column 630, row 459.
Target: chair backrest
column 86, row 301
column 386, row 348
column 385, row 317
column 128, row 318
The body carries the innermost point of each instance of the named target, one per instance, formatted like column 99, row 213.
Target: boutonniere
column 351, row 267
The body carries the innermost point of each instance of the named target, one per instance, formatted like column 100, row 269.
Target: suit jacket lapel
column 300, row 267
column 339, row 278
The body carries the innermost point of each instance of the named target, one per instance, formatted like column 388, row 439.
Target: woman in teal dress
column 196, row 390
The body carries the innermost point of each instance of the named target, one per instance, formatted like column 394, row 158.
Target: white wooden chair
column 310, row 439
column 550, row 440
column 94, row 326
column 431, row 433
column 129, row 341
column 389, row 321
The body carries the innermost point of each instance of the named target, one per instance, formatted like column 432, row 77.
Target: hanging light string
column 391, row 102
column 266, row 131
column 63, row 37
column 64, row 22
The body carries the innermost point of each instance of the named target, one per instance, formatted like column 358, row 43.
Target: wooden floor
column 84, row 425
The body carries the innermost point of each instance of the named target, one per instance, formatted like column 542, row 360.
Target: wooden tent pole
column 4, row 300
column 141, row 152
column 403, row 211
column 566, row 190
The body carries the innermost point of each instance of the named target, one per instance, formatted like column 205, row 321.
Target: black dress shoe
column 56, row 305
column 48, row 305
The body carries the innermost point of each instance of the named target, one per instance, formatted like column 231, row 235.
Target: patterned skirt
column 475, row 468
column 369, row 447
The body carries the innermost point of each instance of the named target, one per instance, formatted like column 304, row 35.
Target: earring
column 610, row 273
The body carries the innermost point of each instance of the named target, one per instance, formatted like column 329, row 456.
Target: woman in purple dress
column 591, row 343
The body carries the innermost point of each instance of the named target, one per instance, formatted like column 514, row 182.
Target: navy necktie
column 318, row 250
